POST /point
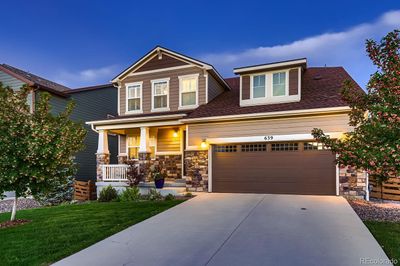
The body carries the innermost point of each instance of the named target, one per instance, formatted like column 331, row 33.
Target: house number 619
column 268, row 137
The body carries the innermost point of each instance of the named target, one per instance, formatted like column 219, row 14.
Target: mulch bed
column 376, row 210
column 7, row 224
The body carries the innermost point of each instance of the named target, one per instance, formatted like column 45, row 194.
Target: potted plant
column 158, row 174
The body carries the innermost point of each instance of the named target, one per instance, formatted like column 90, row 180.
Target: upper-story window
column 258, row 86
column 188, row 90
column 160, row 94
column 279, row 84
column 134, row 97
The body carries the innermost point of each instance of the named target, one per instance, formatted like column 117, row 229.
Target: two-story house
column 250, row 133
column 91, row 103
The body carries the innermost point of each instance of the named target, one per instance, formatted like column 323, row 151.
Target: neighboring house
column 91, row 103
column 250, row 133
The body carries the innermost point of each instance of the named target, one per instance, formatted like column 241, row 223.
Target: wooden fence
column 390, row 189
column 84, row 190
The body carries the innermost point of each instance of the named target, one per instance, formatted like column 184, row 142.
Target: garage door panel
column 286, row 172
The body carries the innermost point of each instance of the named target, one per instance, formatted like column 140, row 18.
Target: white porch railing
column 114, row 172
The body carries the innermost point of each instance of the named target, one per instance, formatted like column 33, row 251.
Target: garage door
column 285, row 168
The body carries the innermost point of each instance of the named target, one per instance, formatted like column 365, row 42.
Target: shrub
column 169, row 197
column 188, row 194
column 135, row 174
column 62, row 192
column 154, row 195
column 108, row 194
column 130, row 194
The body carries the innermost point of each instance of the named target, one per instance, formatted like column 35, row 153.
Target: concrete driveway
column 241, row 229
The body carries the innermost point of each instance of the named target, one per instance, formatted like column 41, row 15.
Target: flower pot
column 159, row 183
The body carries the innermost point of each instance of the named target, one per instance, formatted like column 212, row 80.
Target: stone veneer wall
column 173, row 165
column 196, row 160
column 352, row 182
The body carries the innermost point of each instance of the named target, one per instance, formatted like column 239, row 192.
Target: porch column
column 103, row 154
column 144, row 150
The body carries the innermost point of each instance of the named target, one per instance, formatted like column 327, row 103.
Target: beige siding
column 173, row 87
column 281, row 126
column 122, row 144
column 166, row 142
column 214, row 88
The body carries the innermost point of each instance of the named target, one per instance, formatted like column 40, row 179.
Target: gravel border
column 23, row 203
column 376, row 210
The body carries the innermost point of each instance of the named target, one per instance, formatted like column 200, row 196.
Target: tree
column 374, row 145
column 36, row 149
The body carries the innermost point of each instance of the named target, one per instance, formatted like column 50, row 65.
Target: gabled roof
column 91, row 88
column 35, row 81
column 187, row 59
column 321, row 88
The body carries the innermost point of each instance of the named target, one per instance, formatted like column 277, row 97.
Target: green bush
column 62, row 192
column 169, row 197
column 130, row 194
column 188, row 194
column 108, row 194
column 153, row 195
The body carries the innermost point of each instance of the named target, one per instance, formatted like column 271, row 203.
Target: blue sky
column 83, row 43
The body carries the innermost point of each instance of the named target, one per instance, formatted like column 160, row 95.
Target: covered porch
column 144, row 143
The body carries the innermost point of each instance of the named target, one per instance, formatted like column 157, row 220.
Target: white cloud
column 346, row 48
column 89, row 77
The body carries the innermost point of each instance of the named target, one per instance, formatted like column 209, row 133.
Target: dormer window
column 279, row 84
column 258, row 86
column 133, row 99
column 160, row 92
column 188, row 91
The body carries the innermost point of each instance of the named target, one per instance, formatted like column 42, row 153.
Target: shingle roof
column 321, row 87
column 36, row 80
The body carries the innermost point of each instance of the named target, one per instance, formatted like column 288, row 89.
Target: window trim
column 181, row 78
column 127, row 146
column 127, row 85
column 265, row 86
column 161, row 109
column 286, row 83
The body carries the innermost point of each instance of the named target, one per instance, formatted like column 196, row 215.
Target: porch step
column 176, row 191
column 166, row 184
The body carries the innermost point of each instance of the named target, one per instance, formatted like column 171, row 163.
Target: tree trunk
column 14, row 209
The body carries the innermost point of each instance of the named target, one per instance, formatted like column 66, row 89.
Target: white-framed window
column 134, row 97
column 279, row 83
column 258, row 88
column 188, row 91
column 160, row 94
column 133, row 144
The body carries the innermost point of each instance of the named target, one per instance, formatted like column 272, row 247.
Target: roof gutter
column 135, row 119
column 330, row 110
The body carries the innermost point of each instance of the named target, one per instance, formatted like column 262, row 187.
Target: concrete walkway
column 241, row 229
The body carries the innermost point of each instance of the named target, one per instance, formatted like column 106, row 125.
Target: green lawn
column 388, row 236
column 56, row 232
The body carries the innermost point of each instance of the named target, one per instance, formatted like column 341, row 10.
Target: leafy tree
column 374, row 145
column 36, row 149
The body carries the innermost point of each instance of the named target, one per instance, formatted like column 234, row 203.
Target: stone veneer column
column 196, row 166
column 101, row 158
column 122, row 158
column 352, row 182
column 144, row 162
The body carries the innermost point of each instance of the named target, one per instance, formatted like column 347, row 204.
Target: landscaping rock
column 28, row 203
column 376, row 210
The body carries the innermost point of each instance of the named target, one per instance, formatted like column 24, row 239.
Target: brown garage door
column 286, row 168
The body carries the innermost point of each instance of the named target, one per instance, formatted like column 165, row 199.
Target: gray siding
column 214, row 88
column 10, row 81
column 89, row 105
column 94, row 105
